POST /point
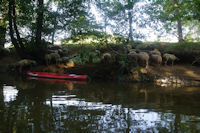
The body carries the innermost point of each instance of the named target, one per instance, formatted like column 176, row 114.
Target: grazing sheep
column 97, row 52
column 132, row 55
column 129, row 47
column 91, row 56
column 65, row 51
column 54, row 47
column 141, row 57
column 155, row 52
column 157, row 59
column 106, row 58
column 25, row 63
column 170, row 57
column 64, row 59
column 144, row 58
column 131, row 50
column 52, row 56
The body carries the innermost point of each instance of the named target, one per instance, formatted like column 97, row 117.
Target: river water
column 34, row 106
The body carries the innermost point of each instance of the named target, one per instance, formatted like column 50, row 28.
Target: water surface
column 32, row 106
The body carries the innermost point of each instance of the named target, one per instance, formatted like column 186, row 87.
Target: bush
column 184, row 48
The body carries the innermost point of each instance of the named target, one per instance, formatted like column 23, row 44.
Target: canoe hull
column 57, row 76
column 52, row 80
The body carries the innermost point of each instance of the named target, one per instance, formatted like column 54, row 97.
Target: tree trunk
column 3, row 24
column 105, row 30
column 11, row 17
column 39, row 23
column 2, row 36
column 52, row 38
column 179, row 23
column 14, row 41
column 16, row 29
column 180, row 32
column 130, row 20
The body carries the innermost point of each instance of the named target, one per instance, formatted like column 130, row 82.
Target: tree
column 13, row 28
column 121, row 14
column 174, row 14
column 179, row 21
column 39, row 23
column 3, row 22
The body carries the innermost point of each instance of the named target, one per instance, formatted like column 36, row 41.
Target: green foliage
column 166, row 13
column 83, row 53
column 95, row 39
column 184, row 48
column 151, row 45
column 189, row 48
column 116, row 16
column 3, row 22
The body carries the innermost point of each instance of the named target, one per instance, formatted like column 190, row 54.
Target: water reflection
column 42, row 106
column 9, row 93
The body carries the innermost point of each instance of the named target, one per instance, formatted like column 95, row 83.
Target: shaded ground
column 183, row 71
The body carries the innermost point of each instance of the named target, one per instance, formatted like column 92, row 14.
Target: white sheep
column 142, row 57
column 25, row 63
column 170, row 57
column 131, row 50
column 156, row 59
column 106, row 58
column 155, row 52
column 54, row 47
column 132, row 55
column 52, row 56
column 129, row 46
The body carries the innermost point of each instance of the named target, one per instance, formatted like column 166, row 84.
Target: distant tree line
column 30, row 22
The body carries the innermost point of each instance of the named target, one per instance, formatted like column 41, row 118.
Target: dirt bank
column 99, row 71
column 188, row 74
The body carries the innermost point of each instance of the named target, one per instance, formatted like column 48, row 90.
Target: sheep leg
column 166, row 62
column 48, row 62
column 147, row 64
column 20, row 69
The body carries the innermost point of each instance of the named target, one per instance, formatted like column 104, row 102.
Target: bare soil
column 184, row 71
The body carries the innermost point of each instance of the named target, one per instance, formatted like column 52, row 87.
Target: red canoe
column 58, row 80
column 57, row 76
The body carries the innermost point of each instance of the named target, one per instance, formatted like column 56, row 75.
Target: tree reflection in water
column 40, row 106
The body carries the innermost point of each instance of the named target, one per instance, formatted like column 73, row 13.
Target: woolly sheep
column 170, row 57
column 154, row 58
column 64, row 59
column 155, row 52
column 50, row 57
column 54, row 47
column 131, row 50
column 142, row 57
column 132, row 55
column 106, row 58
column 25, row 63
column 129, row 47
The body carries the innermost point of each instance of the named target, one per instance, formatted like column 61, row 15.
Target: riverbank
column 177, row 75
column 87, row 60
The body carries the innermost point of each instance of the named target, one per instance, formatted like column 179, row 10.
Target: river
column 34, row 106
